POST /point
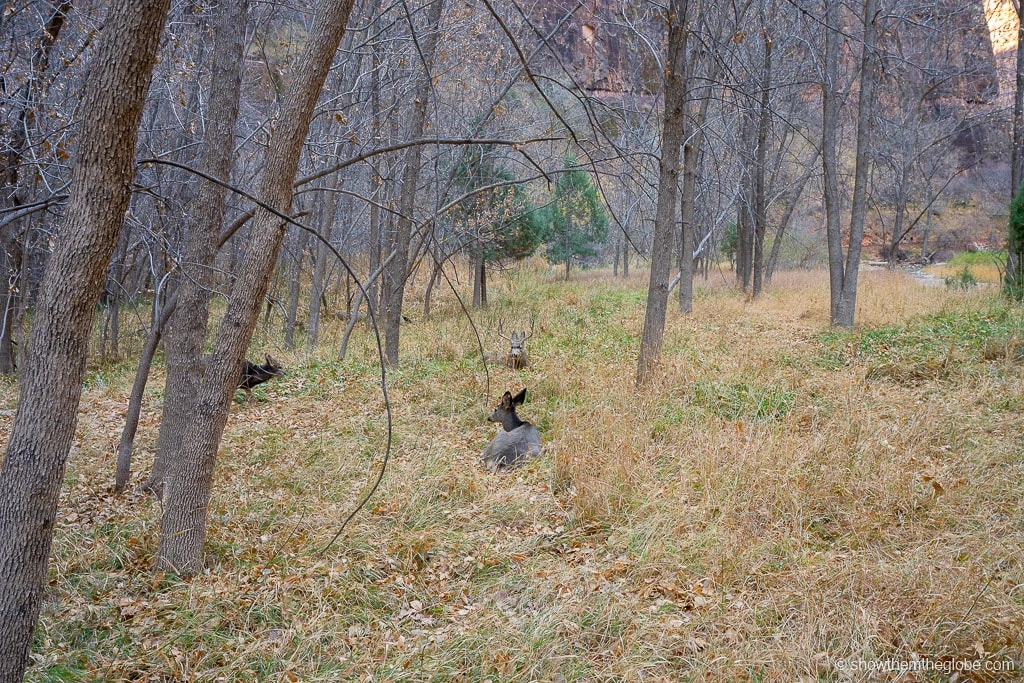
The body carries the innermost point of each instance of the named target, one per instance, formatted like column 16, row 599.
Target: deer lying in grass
column 253, row 374
column 517, row 442
column 516, row 357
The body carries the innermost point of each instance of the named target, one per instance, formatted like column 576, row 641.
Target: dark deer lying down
column 253, row 374
column 517, row 442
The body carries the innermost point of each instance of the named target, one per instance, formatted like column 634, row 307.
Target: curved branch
column 373, row 319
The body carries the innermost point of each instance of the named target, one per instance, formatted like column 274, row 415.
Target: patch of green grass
column 927, row 340
column 106, row 375
column 964, row 280
column 740, row 400
column 969, row 258
column 60, row 672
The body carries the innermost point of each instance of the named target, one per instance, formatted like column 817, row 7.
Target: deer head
column 517, row 356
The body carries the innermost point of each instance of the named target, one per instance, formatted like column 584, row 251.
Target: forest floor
column 781, row 502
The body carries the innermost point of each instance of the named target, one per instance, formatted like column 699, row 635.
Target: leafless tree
column 186, row 327
column 186, row 491
column 51, row 385
column 668, row 185
column 843, row 272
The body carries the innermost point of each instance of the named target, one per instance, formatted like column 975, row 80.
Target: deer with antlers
column 516, row 357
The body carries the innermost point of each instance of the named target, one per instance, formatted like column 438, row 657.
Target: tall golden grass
column 777, row 500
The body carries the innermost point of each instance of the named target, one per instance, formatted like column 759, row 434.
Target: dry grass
column 778, row 498
column 984, row 267
column 990, row 273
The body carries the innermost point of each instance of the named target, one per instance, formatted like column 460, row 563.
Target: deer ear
column 506, row 400
column 520, row 397
column 269, row 359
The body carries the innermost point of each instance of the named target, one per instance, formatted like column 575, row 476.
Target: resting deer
column 253, row 374
column 516, row 357
column 517, row 442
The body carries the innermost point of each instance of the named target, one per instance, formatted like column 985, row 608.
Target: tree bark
column 900, row 219
column 568, row 252
column 114, row 288
column 478, row 267
column 829, row 157
column 787, row 216
column 294, row 290
column 319, row 284
column 186, row 494
column 12, row 236
column 395, row 275
column 354, row 313
column 11, row 266
column 435, row 273
column 691, row 155
column 1017, row 150
column 376, row 182
column 131, row 420
column 44, row 426
column 186, row 327
column 847, row 302
column 760, row 168
column 686, row 212
column 668, row 187
column 745, row 207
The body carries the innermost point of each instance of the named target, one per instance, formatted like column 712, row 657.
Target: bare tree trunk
column 373, row 291
column 1017, row 150
column 186, row 326
column 691, row 155
column 760, row 169
column 395, row 275
column 435, row 272
column 847, row 304
column 787, row 216
column 745, row 207
column 44, row 426
column 668, row 186
column 483, row 282
column 829, row 157
column 568, row 255
column 131, row 420
column 114, row 289
column 323, row 254
column 294, row 290
column 376, row 182
column 900, row 219
column 186, row 493
column 354, row 313
column 24, row 295
column 478, row 267
column 12, row 256
column 13, row 235
column 686, row 228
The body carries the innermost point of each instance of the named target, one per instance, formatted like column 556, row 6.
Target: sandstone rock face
column 606, row 58
column 967, row 52
column 1002, row 24
column 590, row 44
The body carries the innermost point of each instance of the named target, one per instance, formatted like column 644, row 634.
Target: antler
column 501, row 329
column 533, row 319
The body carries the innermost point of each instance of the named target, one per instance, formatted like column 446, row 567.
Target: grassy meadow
column 968, row 268
column 780, row 498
